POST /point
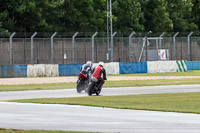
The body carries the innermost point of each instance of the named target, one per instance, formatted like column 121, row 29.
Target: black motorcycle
column 82, row 82
column 93, row 87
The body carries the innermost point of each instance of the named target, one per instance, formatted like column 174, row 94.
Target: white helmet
column 101, row 63
column 90, row 63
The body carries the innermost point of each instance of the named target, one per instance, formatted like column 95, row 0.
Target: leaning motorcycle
column 82, row 82
column 93, row 87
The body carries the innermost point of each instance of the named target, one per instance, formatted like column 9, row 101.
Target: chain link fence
column 63, row 51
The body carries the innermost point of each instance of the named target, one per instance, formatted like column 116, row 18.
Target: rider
column 97, row 73
column 86, row 68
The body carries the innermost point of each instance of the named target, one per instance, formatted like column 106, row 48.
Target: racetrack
column 11, row 95
column 95, row 119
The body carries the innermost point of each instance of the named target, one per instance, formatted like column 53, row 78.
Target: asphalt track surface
column 95, row 119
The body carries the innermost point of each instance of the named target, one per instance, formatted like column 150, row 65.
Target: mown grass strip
column 188, row 73
column 172, row 102
column 124, row 83
column 2, row 130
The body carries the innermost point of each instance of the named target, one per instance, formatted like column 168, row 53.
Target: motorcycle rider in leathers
column 98, row 73
column 86, row 69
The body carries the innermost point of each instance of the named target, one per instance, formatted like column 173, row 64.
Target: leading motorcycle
column 82, row 82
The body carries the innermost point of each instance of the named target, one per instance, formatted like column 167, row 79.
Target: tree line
column 91, row 15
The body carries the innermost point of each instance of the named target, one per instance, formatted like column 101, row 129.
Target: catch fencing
column 78, row 50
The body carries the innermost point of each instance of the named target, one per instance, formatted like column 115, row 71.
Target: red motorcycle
column 82, row 82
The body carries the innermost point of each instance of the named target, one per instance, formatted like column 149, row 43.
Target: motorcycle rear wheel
column 90, row 89
column 79, row 86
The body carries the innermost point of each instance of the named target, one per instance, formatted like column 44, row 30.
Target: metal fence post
column 11, row 48
column 174, row 43
column 189, row 46
column 32, row 46
column 112, row 45
column 131, row 46
column 52, row 46
column 73, row 47
column 161, row 40
column 93, row 46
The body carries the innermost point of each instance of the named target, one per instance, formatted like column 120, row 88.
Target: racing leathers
column 86, row 69
column 98, row 72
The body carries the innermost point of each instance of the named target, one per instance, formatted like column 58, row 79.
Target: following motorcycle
column 93, row 87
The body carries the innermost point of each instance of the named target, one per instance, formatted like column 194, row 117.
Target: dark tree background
column 90, row 15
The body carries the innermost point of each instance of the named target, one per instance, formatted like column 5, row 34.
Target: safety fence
column 78, row 50
column 47, row 70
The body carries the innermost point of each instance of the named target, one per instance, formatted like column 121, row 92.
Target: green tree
column 30, row 15
column 84, row 15
column 128, row 16
column 181, row 15
column 156, row 16
column 196, row 13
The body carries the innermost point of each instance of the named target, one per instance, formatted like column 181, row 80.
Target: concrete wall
column 128, row 68
column 166, row 66
column 193, row 65
column 10, row 71
column 42, row 70
column 47, row 70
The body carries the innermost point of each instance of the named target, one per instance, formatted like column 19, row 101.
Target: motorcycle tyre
column 98, row 92
column 90, row 89
column 79, row 86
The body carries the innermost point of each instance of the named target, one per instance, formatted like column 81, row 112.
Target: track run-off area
column 95, row 119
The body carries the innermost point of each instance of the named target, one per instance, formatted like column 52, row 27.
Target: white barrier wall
column 166, row 66
column 42, row 70
column 111, row 68
column 181, row 66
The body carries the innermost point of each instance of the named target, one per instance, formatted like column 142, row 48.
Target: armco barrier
column 193, row 65
column 11, row 71
column 69, row 69
column 42, row 70
column 128, row 68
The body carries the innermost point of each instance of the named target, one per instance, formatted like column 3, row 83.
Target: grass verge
column 124, row 83
column 2, row 130
column 172, row 102
column 188, row 73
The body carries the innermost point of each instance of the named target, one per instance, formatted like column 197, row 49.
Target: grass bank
column 2, row 130
column 172, row 102
column 188, row 73
column 124, row 83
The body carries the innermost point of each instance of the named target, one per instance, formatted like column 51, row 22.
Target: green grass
column 172, row 102
column 124, row 83
column 188, row 73
column 2, row 130
column 48, row 86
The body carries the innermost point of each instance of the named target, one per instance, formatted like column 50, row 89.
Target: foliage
column 91, row 15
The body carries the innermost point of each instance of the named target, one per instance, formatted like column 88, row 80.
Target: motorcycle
column 82, row 82
column 93, row 87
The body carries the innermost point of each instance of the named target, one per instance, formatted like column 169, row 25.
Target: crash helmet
column 101, row 63
column 90, row 63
